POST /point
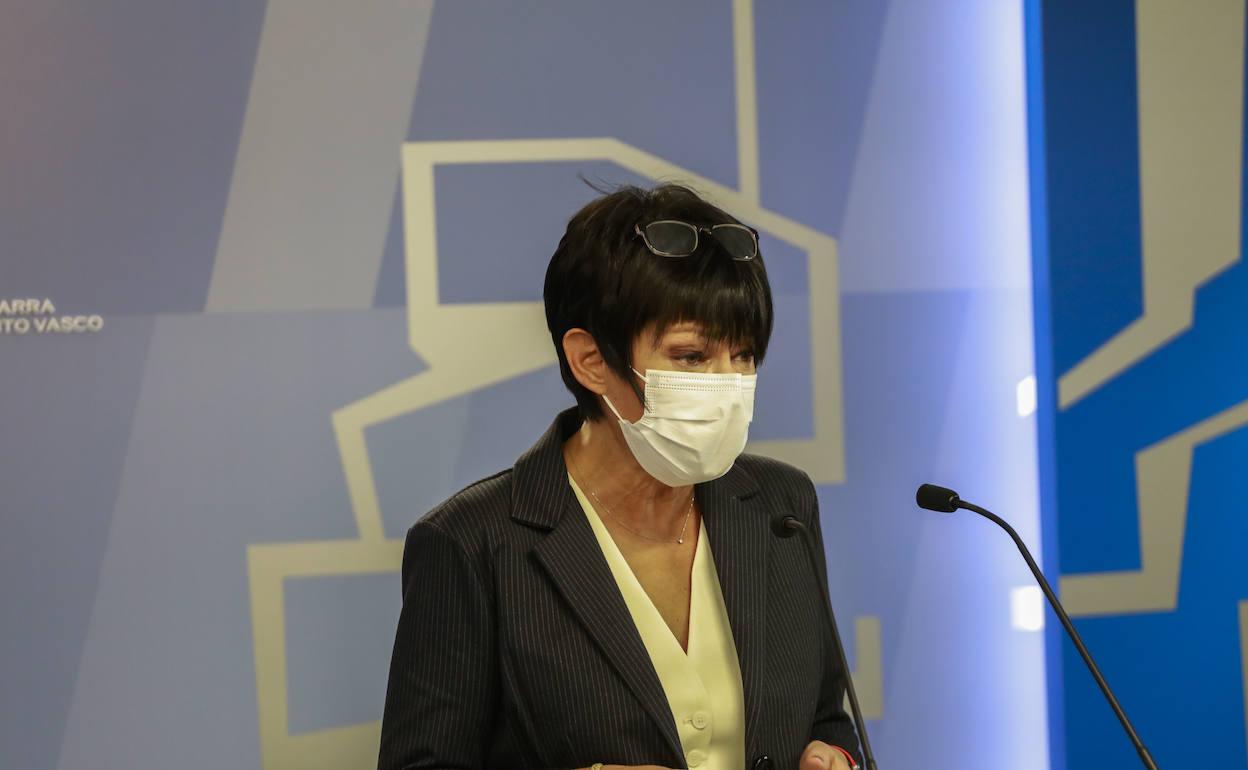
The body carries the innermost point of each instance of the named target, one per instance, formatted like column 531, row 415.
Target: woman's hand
column 820, row 756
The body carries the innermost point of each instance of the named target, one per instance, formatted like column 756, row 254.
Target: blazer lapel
column 740, row 537
column 571, row 555
column 574, row 560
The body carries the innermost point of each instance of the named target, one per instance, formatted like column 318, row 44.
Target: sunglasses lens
column 737, row 240
column 675, row 238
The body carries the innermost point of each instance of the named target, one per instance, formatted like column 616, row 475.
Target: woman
column 617, row 597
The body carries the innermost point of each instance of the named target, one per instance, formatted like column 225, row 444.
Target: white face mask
column 693, row 425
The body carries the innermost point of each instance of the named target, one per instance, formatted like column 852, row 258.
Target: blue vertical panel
column 204, row 507
column 1046, row 387
column 1178, row 672
column 1094, row 232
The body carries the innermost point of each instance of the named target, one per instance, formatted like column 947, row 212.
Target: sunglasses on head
column 673, row 238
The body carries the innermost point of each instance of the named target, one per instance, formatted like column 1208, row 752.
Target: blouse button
column 701, row 720
column 696, row 757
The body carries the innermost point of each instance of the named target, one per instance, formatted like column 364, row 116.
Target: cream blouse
column 703, row 686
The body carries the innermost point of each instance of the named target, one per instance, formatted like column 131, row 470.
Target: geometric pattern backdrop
column 283, row 263
column 1143, row 325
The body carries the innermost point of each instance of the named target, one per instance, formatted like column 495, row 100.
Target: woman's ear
column 585, row 360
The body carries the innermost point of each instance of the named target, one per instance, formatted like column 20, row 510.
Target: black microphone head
column 935, row 498
column 785, row 525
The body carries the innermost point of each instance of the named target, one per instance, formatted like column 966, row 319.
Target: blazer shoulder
column 782, row 484
column 470, row 513
column 772, row 473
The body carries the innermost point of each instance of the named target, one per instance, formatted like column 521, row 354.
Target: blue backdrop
column 313, row 233
column 1142, row 341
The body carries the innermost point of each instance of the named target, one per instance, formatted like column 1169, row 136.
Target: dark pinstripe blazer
column 515, row 648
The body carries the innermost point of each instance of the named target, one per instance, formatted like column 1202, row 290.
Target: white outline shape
column 1190, row 58
column 1163, row 475
column 511, row 340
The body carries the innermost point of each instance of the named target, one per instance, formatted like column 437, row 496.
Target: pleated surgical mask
column 693, row 425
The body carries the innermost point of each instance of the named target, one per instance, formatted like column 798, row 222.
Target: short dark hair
column 603, row 279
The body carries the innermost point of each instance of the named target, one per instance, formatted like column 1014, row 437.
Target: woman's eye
column 746, row 355
column 691, row 358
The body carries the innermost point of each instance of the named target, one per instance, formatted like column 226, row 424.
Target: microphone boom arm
column 1140, row 748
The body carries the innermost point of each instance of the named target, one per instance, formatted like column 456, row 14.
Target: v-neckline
column 635, row 583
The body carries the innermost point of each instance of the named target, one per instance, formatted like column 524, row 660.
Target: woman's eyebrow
column 699, row 342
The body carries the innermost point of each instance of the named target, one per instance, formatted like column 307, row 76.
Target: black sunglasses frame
column 697, row 230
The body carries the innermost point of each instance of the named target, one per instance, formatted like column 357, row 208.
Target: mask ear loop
column 640, row 395
column 637, row 391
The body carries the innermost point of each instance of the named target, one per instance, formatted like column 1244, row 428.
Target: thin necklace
column 679, row 540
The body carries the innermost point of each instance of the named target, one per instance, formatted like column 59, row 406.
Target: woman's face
column 680, row 348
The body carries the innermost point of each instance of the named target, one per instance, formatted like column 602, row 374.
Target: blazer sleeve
column 441, row 693
column 833, row 724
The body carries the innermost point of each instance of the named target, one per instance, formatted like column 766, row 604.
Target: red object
column 853, row 765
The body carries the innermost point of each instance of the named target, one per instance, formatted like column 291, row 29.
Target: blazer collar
column 738, row 531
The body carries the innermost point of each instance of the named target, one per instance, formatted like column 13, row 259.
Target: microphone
column 935, row 498
column 785, row 526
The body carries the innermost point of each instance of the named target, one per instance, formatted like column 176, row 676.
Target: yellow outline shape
column 512, row 341
column 1243, row 652
column 1163, row 475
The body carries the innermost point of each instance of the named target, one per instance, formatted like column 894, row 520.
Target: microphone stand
column 786, row 527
